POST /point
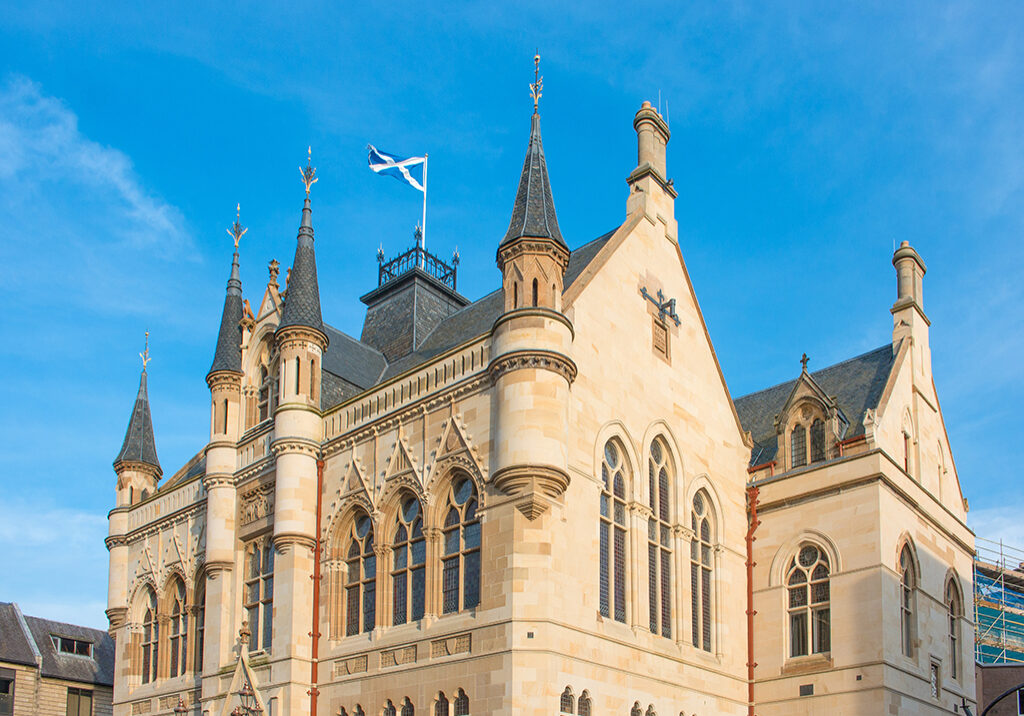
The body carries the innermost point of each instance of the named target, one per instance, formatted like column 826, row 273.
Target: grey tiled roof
column 228, row 355
column 139, row 445
column 15, row 647
column 352, row 363
column 856, row 384
column 302, row 301
column 533, row 214
column 98, row 669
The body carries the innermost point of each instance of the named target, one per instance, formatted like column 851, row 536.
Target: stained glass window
column 701, row 567
column 460, row 566
column 361, row 584
column 807, row 583
column 659, row 542
column 612, row 578
column 409, row 553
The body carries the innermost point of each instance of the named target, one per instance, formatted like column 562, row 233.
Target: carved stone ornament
column 531, row 246
column 544, row 360
column 257, row 503
column 533, row 486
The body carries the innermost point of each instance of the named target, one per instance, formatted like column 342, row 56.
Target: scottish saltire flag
column 408, row 169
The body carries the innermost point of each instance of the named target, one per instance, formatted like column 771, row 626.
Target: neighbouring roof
column 351, row 366
column 533, row 213
column 22, row 638
column 139, row 444
column 855, row 384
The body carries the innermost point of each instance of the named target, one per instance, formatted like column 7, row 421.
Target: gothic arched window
column 798, row 446
column 818, row 440
column 361, row 584
column 461, row 704
column 807, row 582
column 954, row 612
column 659, row 542
column 179, row 630
column 460, row 572
column 264, row 395
column 150, row 638
column 908, row 586
column 441, row 705
column 259, row 593
column 613, row 533
column 408, row 575
column 583, row 705
column 701, row 571
column 200, row 625
column 389, row 710
column 636, row 710
column 407, row 708
column 566, row 702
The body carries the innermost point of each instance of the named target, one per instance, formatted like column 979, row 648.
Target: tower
column 225, row 382
column 301, row 342
column 532, row 340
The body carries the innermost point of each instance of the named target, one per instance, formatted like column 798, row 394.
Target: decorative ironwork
column 309, row 177
column 145, row 354
column 666, row 306
column 538, row 82
column 417, row 258
column 237, row 231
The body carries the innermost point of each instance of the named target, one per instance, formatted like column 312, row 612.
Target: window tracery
column 908, row 585
column 441, row 705
column 954, row 613
column 583, row 705
column 361, row 584
column 179, row 630
column 613, row 533
column 259, row 593
column 798, row 446
column 566, row 703
column 200, row 626
column 461, row 704
column 817, row 440
column 808, row 589
column 150, row 638
column 701, row 568
column 460, row 565
column 409, row 558
column 659, row 542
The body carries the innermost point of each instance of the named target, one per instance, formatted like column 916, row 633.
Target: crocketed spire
column 534, row 211
column 228, row 355
column 302, row 302
column 139, row 445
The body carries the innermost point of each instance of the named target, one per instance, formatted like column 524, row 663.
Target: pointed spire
column 302, row 302
column 533, row 214
column 139, row 444
column 228, row 355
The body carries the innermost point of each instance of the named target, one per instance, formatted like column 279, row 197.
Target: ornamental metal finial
column 804, row 360
column 538, row 82
column 237, row 230
column 309, row 173
column 145, row 354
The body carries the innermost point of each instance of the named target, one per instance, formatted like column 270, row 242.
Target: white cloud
column 995, row 524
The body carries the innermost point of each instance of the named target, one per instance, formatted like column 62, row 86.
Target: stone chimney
column 649, row 179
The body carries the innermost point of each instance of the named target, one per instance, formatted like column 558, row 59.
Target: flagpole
column 423, row 227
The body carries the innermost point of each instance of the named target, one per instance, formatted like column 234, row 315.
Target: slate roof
column 856, row 384
column 228, row 355
column 26, row 640
column 349, row 362
column 533, row 214
column 302, row 301
column 139, row 444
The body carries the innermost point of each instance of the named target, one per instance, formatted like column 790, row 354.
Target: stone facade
column 546, row 506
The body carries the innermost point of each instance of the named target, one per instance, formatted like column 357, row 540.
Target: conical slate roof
column 229, row 341
column 302, row 302
column 534, row 211
column 139, row 445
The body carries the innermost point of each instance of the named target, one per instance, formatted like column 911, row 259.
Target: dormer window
column 67, row 645
column 798, row 446
column 818, row 440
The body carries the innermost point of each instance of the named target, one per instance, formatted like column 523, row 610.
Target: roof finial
column 309, row 173
column 804, row 360
column 538, row 82
column 145, row 354
column 237, row 230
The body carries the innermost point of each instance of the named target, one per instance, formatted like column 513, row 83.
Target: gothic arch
column 702, row 482
column 344, row 520
column 905, row 540
column 660, row 429
column 435, row 506
column 137, row 598
column 165, row 597
column 953, row 577
column 616, row 430
column 391, row 499
column 780, row 562
column 341, row 517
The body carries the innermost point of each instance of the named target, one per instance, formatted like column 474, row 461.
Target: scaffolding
column 998, row 603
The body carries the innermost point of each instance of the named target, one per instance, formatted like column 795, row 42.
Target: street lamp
column 250, row 706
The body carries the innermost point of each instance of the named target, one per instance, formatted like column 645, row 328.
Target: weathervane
column 309, row 173
column 538, row 82
column 237, row 230
column 145, row 354
column 666, row 306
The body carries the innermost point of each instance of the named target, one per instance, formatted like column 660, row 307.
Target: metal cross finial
column 804, row 360
column 309, row 173
column 237, row 230
column 145, row 354
column 538, row 82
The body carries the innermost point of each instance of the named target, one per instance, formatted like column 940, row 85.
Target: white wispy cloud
column 996, row 524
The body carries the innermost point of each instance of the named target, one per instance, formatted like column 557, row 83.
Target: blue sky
column 806, row 140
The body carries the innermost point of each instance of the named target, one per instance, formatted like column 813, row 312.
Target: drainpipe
column 315, row 634
column 752, row 493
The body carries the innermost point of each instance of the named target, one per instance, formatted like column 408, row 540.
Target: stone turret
column 532, row 341
column 649, row 186
column 138, row 472
column 909, row 319
column 301, row 343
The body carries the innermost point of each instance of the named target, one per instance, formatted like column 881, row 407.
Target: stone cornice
column 289, row 539
column 536, row 359
column 224, row 379
column 534, row 311
column 288, row 445
column 527, row 245
column 224, row 479
column 290, row 336
column 115, row 541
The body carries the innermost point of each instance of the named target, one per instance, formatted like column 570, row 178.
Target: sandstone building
column 542, row 501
